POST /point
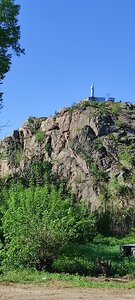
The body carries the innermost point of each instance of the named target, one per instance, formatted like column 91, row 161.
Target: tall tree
column 9, row 37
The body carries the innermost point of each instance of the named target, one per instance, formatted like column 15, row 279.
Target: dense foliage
column 102, row 256
column 9, row 36
column 42, row 226
column 39, row 222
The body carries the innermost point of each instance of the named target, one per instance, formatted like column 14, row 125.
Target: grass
column 92, row 259
column 79, row 266
column 27, row 276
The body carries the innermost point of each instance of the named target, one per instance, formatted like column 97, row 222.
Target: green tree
column 9, row 36
column 39, row 222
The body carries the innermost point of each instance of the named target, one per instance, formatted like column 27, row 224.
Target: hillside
column 91, row 146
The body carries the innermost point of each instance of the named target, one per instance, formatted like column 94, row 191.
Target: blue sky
column 69, row 44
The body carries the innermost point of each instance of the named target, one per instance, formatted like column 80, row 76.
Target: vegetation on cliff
column 90, row 145
column 89, row 150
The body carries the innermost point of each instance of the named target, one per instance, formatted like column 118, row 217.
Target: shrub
column 97, row 173
column 31, row 120
column 39, row 174
column 40, row 135
column 124, row 267
column 39, row 222
column 97, row 144
column 74, row 265
column 120, row 124
column 16, row 156
column 101, row 257
column 127, row 157
column 116, row 107
column 19, row 154
column 132, row 178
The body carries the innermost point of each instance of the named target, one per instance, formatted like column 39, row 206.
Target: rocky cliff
column 91, row 145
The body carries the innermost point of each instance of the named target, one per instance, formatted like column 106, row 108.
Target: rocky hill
column 91, row 145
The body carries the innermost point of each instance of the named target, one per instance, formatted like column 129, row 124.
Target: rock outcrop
column 90, row 145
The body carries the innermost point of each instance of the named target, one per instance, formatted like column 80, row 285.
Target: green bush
column 75, row 265
column 126, row 156
column 97, row 173
column 124, row 267
column 120, row 124
column 39, row 174
column 16, row 156
column 31, row 120
column 40, row 135
column 39, row 222
column 116, row 108
column 101, row 257
column 97, row 144
column 132, row 178
column 108, row 241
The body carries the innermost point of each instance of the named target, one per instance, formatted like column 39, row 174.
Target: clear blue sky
column 69, row 44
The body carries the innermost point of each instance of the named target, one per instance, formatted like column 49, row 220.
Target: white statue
column 92, row 90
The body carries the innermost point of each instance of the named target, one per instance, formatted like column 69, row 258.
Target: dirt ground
column 27, row 292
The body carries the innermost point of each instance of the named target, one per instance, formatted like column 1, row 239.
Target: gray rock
column 79, row 138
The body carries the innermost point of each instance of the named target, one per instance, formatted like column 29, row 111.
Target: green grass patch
column 102, row 257
column 27, row 276
column 82, row 266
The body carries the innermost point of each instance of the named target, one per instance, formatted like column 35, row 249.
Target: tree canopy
column 9, row 36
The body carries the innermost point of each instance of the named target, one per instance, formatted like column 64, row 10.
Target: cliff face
column 91, row 145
